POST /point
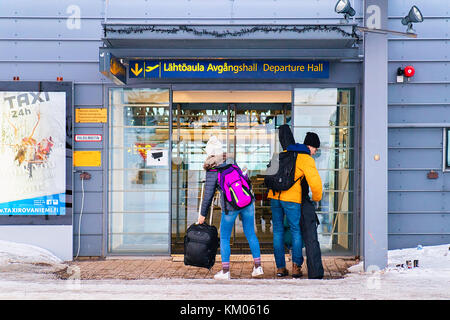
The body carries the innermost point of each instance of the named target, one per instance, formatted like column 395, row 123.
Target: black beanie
column 312, row 139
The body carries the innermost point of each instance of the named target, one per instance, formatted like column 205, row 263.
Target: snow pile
column 19, row 253
column 431, row 259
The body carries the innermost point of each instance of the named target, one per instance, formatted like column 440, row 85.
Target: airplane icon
column 149, row 69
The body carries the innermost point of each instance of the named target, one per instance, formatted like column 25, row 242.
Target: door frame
column 241, row 86
column 106, row 178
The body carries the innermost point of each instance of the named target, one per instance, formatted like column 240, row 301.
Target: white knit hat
column 214, row 147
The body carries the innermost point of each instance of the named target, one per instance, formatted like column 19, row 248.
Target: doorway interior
column 245, row 122
column 156, row 151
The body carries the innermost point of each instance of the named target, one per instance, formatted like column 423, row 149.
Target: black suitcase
column 200, row 245
column 201, row 241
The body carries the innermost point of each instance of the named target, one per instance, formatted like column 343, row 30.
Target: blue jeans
column 226, row 227
column 292, row 211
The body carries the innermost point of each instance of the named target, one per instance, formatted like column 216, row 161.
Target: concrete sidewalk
column 134, row 268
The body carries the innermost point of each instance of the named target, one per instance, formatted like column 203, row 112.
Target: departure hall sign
column 227, row 69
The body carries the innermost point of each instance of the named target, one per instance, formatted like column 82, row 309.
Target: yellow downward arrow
column 136, row 70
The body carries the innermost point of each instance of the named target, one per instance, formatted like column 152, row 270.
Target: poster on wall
column 32, row 153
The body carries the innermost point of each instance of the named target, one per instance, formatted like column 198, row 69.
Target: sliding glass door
column 248, row 132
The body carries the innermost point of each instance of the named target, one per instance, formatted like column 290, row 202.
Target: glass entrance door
column 247, row 130
column 139, row 175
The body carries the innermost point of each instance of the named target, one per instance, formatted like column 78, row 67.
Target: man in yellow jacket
column 288, row 203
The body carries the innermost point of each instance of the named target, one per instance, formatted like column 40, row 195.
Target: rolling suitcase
column 201, row 242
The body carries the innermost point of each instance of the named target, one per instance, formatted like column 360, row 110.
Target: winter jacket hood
column 298, row 147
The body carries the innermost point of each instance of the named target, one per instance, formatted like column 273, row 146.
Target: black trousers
column 308, row 225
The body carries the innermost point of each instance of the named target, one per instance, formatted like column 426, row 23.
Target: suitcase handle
column 201, row 200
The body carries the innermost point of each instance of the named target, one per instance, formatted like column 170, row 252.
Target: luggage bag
column 308, row 226
column 201, row 242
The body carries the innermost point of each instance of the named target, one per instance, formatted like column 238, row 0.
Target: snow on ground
column 22, row 277
column 12, row 252
column 18, row 260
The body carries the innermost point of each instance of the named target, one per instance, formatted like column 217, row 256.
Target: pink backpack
column 235, row 186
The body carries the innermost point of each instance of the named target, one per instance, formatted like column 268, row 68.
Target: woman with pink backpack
column 236, row 198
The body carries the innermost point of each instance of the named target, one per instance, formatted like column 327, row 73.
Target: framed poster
column 36, row 153
column 33, row 153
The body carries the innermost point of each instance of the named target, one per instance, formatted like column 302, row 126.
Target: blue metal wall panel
column 12, row 8
column 417, row 180
column 55, row 28
column 430, row 8
column 422, row 201
column 88, row 95
column 92, row 201
column 419, row 93
column 413, row 240
column 91, row 223
column 95, row 184
column 46, row 50
column 439, row 113
column 418, row 50
column 90, row 245
column 423, row 101
column 415, row 137
column 415, row 158
column 413, row 223
column 224, row 10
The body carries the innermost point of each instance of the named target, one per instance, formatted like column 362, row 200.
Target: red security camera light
column 409, row 71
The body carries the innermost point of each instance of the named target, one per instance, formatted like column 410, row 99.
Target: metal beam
column 139, row 53
column 374, row 140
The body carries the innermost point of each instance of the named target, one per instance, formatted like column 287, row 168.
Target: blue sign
column 228, row 69
column 47, row 205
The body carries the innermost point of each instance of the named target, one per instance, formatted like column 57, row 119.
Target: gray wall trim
column 375, row 142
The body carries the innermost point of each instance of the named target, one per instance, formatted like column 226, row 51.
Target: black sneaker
column 282, row 272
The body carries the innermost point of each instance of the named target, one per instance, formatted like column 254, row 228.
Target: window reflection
column 139, row 170
column 248, row 132
column 329, row 112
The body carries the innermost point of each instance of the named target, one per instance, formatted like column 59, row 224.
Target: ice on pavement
column 431, row 280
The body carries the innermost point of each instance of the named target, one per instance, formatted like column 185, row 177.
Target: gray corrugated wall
column 419, row 208
column 36, row 44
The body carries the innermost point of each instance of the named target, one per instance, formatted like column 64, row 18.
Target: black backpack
column 284, row 178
